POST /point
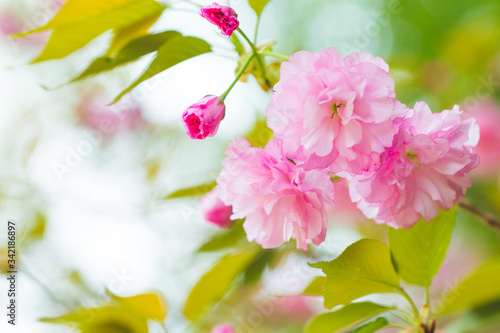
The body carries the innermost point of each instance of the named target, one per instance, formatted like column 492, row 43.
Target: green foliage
column 348, row 315
column 224, row 238
column 418, row 252
column 217, row 281
column 315, row 288
column 260, row 134
column 130, row 52
column 372, row 326
column 258, row 5
column 175, row 51
column 254, row 271
column 192, row 191
column 80, row 21
column 364, row 268
column 480, row 288
column 150, row 306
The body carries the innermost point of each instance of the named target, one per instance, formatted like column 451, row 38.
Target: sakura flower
column 202, row 119
column 225, row 328
column 277, row 198
column 222, row 16
column 329, row 109
column 424, row 171
column 214, row 210
column 487, row 115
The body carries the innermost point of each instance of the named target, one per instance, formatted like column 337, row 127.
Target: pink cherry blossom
column 214, row 210
column 222, row 16
column 202, row 119
column 424, row 171
column 277, row 198
column 329, row 109
column 225, row 328
column 487, row 115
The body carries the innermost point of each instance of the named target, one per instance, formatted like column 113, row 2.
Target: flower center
column 335, row 108
column 412, row 156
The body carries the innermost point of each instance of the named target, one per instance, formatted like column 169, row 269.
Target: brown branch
column 490, row 219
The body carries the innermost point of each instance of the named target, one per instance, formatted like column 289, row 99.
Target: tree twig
column 490, row 219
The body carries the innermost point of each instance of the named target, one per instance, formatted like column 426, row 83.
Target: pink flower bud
column 214, row 210
column 202, row 119
column 223, row 329
column 222, row 16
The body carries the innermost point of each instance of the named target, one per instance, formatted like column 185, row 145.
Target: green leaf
column 150, row 306
column 350, row 314
column 215, row 283
column 260, row 134
column 258, row 5
column 224, row 238
column 418, row 252
column 192, row 191
column 80, row 21
column 315, row 288
column 172, row 53
column 364, row 268
column 480, row 288
column 255, row 270
column 371, row 327
column 132, row 51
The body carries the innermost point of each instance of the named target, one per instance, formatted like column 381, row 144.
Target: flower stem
column 403, row 293
column 240, row 73
column 256, row 33
column 488, row 218
column 255, row 53
column 275, row 55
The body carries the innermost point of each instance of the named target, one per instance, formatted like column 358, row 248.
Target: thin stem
column 403, row 293
column 427, row 298
column 407, row 317
column 275, row 55
column 240, row 73
column 256, row 33
column 488, row 218
column 254, row 52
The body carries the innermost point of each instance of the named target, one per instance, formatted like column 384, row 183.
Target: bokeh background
column 90, row 203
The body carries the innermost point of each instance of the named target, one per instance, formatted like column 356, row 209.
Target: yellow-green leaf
column 315, row 288
column 364, row 268
column 80, row 21
column 480, row 288
column 419, row 251
column 150, row 306
column 349, row 315
column 224, row 238
column 371, row 327
column 102, row 320
column 258, row 5
column 217, row 281
column 130, row 52
column 260, row 134
column 192, row 191
column 172, row 53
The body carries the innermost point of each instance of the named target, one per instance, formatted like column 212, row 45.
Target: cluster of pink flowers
column 334, row 115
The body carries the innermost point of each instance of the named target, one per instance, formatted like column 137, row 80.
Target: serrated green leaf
column 172, row 53
column 371, row 327
column 349, row 315
column 217, row 281
column 130, row 52
column 80, row 21
column 418, row 252
column 192, row 191
column 480, row 288
column 224, row 238
column 315, row 288
column 258, row 5
column 364, row 268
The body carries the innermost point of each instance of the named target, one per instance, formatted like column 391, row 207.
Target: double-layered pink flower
column 424, row 171
column 202, row 119
column 277, row 198
column 223, row 17
column 335, row 112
